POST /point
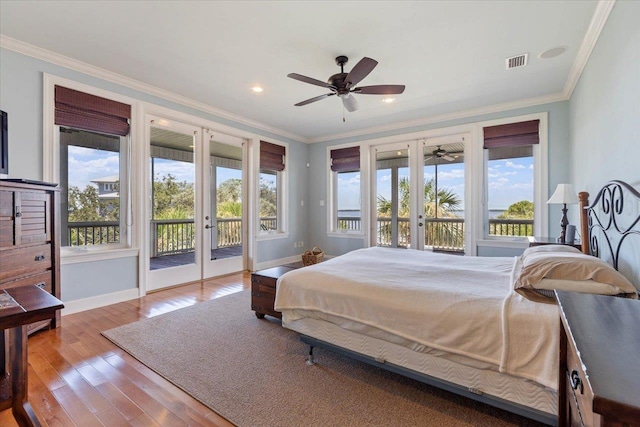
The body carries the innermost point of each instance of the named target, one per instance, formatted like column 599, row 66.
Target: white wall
column 604, row 115
column 604, row 110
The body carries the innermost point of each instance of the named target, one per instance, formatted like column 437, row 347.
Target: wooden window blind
column 272, row 156
column 345, row 159
column 89, row 112
column 512, row 135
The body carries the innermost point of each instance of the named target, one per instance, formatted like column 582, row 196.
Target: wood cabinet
column 29, row 239
column 263, row 290
column 599, row 375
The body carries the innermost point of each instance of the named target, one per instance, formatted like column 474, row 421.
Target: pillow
column 536, row 273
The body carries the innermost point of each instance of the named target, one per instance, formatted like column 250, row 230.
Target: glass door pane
column 393, row 197
column 443, row 198
column 224, row 212
column 173, row 235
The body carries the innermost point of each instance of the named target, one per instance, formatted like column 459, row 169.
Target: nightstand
column 599, row 374
column 539, row 241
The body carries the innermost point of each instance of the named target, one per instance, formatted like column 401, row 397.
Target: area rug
column 253, row 373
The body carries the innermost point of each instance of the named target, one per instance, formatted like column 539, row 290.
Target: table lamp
column 564, row 195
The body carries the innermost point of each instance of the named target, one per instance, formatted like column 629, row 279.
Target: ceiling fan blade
column 360, row 71
column 350, row 103
column 310, row 80
column 426, row 159
column 448, row 158
column 310, row 100
column 380, row 90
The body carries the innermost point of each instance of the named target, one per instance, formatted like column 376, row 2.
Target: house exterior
column 107, row 187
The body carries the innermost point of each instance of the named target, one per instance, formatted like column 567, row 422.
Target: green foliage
column 84, row 206
column 519, row 210
column 173, row 199
column 229, row 209
column 447, row 201
column 268, row 198
column 230, row 191
column 436, row 234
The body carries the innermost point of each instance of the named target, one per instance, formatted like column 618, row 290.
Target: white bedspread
column 461, row 305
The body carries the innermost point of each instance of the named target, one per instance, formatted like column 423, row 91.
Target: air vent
column 517, row 61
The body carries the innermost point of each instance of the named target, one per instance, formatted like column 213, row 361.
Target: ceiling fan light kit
column 343, row 84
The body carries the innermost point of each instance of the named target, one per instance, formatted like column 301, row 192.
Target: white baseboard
column 79, row 305
column 277, row 262
column 281, row 261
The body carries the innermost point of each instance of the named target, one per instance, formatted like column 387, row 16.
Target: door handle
column 208, row 226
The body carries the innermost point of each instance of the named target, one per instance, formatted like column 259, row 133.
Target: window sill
column 345, row 234
column 71, row 256
column 272, row 236
column 513, row 242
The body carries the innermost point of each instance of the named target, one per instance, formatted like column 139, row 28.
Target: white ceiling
column 449, row 54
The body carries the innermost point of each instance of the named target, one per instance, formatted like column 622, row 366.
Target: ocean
column 355, row 213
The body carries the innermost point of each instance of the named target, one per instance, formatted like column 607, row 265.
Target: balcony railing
column 445, row 234
column 177, row 236
column 93, row 233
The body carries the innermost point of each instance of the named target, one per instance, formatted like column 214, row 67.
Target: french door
column 419, row 189
column 196, row 216
column 225, row 225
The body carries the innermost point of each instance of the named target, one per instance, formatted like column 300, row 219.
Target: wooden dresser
column 29, row 239
column 599, row 375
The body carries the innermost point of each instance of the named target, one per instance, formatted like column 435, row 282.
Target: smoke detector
column 517, row 61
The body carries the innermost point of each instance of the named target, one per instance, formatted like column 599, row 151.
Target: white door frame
column 166, row 277
column 211, row 268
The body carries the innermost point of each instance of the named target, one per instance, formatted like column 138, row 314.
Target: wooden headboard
column 610, row 227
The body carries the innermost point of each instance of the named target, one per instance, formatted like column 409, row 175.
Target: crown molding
column 598, row 21
column 440, row 118
column 82, row 67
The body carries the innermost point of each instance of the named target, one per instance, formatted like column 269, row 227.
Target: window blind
column 89, row 112
column 345, row 159
column 512, row 134
column 272, row 156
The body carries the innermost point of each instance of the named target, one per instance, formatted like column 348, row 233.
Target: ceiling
column 449, row 54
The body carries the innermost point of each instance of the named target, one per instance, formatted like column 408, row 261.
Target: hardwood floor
column 79, row 378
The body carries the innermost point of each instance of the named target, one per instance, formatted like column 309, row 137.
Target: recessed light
column 257, row 89
column 553, row 52
column 388, row 100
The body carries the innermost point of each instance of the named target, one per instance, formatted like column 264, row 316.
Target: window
column 510, row 152
column 93, row 158
column 271, row 198
column 346, row 190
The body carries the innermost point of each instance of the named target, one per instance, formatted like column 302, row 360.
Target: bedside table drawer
column 579, row 391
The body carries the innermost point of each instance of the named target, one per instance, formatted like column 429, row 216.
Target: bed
column 483, row 327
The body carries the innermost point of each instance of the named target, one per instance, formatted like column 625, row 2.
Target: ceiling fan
column 343, row 84
column 440, row 153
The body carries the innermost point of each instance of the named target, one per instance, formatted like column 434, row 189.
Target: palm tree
column 442, row 206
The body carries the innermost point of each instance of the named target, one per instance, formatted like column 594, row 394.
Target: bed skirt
column 491, row 385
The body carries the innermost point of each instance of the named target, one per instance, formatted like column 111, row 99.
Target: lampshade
column 564, row 194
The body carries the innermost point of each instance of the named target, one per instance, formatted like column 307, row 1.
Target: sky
column 86, row 164
column 510, row 180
